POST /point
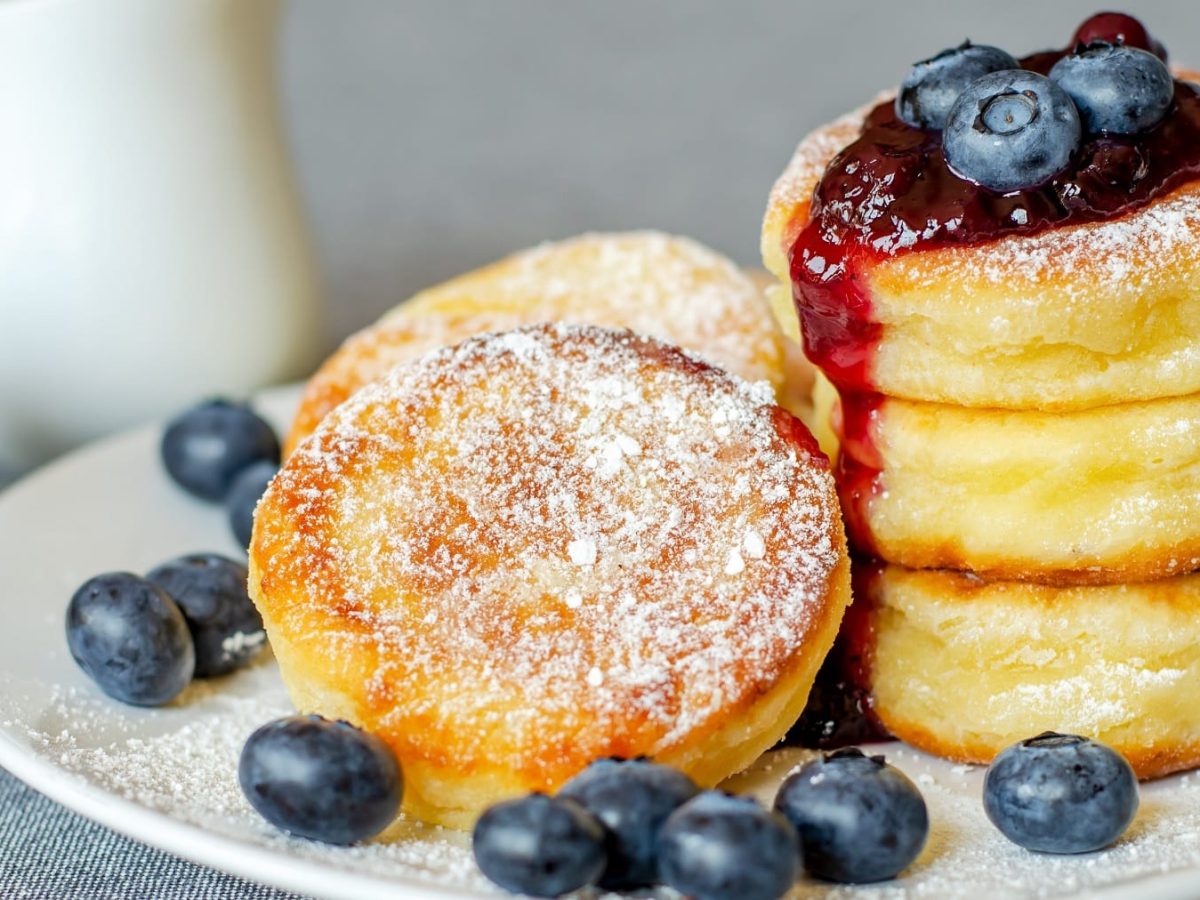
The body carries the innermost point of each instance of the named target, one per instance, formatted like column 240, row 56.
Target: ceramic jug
column 152, row 248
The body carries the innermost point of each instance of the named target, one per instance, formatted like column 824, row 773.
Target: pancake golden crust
column 1098, row 496
column 547, row 546
column 667, row 287
column 1069, row 318
column 962, row 668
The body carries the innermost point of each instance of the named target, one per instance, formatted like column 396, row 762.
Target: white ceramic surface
column 166, row 777
column 152, row 247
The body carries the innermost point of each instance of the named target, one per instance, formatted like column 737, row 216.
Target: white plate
column 167, row 777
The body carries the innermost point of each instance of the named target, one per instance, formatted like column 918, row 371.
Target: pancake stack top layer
column 1014, row 383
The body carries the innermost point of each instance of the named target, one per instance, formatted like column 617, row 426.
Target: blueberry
column 130, row 638
column 539, row 845
column 932, row 85
column 1060, row 793
column 1009, row 131
column 322, row 780
column 720, row 847
column 1118, row 28
column 632, row 798
column 1118, row 90
column 211, row 592
column 859, row 819
column 206, row 447
column 249, row 486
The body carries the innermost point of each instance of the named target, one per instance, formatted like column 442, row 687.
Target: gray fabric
column 48, row 852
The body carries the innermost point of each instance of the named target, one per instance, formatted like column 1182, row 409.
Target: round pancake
column 667, row 287
column 1098, row 496
column 963, row 668
column 1070, row 318
column 543, row 547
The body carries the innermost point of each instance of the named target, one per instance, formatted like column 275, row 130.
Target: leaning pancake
column 1067, row 318
column 542, row 547
column 963, row 668
column 1090, row 497
column 668, row 287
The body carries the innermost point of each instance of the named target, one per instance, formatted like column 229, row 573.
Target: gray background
column 432, row 136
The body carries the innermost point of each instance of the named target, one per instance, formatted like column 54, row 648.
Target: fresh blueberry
column 859, row 819
column 322, row 780
column 720, row 847
column 206, row 447
column 539, row 845
column 632, row 798
column 249, row 486
column 1009, row 131
column 932, row 85
column 1118, row 90
column 130, row 638
column 1060, row 793
column 211, row 592
column 1118, row 28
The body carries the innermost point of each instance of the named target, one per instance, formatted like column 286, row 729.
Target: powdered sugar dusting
column 531, row 514
column 188, row 771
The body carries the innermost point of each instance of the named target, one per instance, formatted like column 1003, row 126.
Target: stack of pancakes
column 1025, row 481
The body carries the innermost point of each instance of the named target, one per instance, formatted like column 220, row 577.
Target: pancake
column 1077, row 316
column 539, row 548
column 1097, row 496
column 963, row 668
column 667, row 287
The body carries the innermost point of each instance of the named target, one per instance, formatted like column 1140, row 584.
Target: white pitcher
column 152, row 249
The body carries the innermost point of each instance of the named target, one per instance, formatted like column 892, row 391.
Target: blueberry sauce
column 891, row 192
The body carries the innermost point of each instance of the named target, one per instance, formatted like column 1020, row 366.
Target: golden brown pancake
column 668, row 287
column 538, row 548
column 1097, row 496
column 962, row 668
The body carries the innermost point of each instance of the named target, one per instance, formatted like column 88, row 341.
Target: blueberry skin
column 130, row 638
column 206, row 447
column 932, row 85
column 1060, row 793
column 632, row 799
column 539, row 845
column 247, row 489
column 1010, row 131
column 720, row 847
column 322, row 780
column 211, row 592
column 1117, row 89
column 859, row 819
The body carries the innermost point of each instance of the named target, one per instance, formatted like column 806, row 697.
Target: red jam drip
column 891, row 192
